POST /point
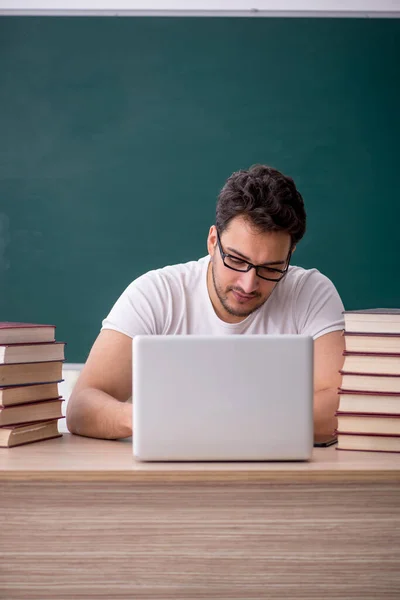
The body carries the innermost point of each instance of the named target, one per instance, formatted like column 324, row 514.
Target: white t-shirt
column 175, row 301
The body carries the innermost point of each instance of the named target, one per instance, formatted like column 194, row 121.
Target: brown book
column 370, row 382
column 21, row 373
column 363, row 362
column 368, row 443
column 29, row 413
column 373, row 320
column 368, row 402
column 25, row 333
column 24, row 353
column 365, row 423
column 386, row 343
column 27, row 433
column 21, row 394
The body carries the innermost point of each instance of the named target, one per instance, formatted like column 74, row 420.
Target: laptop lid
column 237, row 397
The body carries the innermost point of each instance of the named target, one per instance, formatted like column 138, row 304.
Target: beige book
column 19, row 374
column 16, row 435
column 369, row 443
column 363, row 402
column 24, row 353
column 373, row 320
column 362, row 382
column 372, row 342
column 25, row 333
column 379, row 424
column 21, row 394
column 384, row 364
column 28, row 413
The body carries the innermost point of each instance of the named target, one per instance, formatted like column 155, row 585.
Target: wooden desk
column 81, row 519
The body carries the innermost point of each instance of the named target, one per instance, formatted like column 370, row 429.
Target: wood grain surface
column 81, row 519
column 193, row 541
column 75, row 458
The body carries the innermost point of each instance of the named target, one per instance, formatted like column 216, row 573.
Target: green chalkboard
column 116, row 135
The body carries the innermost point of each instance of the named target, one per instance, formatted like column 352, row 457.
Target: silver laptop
column 228, row 398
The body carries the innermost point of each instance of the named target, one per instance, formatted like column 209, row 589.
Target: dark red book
column 21, row 373
column 27, row 433
column 364, row 362
column 371, row 442
column 370, row 382
column 354, row 401
column 33, row 352
column 15, row 333
column 374, row 311
column 379, row 343
column 22, row 394
column 373, row 320
column 31, row 412
column 368, row 423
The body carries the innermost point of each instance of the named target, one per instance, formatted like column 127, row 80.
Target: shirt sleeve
column 318, row 306
column 141, row 308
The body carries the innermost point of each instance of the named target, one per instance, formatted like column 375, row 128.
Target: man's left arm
column 328, row 360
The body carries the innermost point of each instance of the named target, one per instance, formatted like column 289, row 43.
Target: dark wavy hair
column 264, row 196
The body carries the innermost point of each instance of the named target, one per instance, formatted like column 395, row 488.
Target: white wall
column 70, row 375
column 250, row 7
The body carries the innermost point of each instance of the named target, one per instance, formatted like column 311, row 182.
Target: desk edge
column 214, row 477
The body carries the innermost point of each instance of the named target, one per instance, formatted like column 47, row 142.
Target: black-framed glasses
column 239, row 264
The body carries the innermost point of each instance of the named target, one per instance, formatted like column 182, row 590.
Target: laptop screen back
column 234, row 397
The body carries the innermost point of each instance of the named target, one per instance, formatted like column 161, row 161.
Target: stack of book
column 369, row 398
column 30, row 371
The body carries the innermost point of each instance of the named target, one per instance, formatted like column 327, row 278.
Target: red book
column 373, row 320
column 21, row 333
column 368, row 423
column 369, row 402
column 381, row 343
column 36, row 372
column 368, row 442
column 31, row 412
column 370, row 382
column 34, row 352
column 22, row 394
column 27, row 433
column 365, row 362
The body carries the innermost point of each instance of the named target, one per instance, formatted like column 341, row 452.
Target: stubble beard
column 223, row 298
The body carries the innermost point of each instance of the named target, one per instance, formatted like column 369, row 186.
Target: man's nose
column 248, row 281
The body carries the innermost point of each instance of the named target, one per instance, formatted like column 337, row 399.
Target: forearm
column 325, row 407
column 93, row 413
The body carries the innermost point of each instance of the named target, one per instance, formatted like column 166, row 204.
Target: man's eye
column 268, row 269
column 237, row 261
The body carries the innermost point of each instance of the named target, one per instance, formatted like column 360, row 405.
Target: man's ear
column 212, row 240
column 293, row 248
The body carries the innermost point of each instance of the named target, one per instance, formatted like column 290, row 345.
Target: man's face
column 234, row 294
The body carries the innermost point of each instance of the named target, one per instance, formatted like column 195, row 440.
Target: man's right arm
column 97, row 406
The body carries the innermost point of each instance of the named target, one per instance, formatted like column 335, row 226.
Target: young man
column 244, row 285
